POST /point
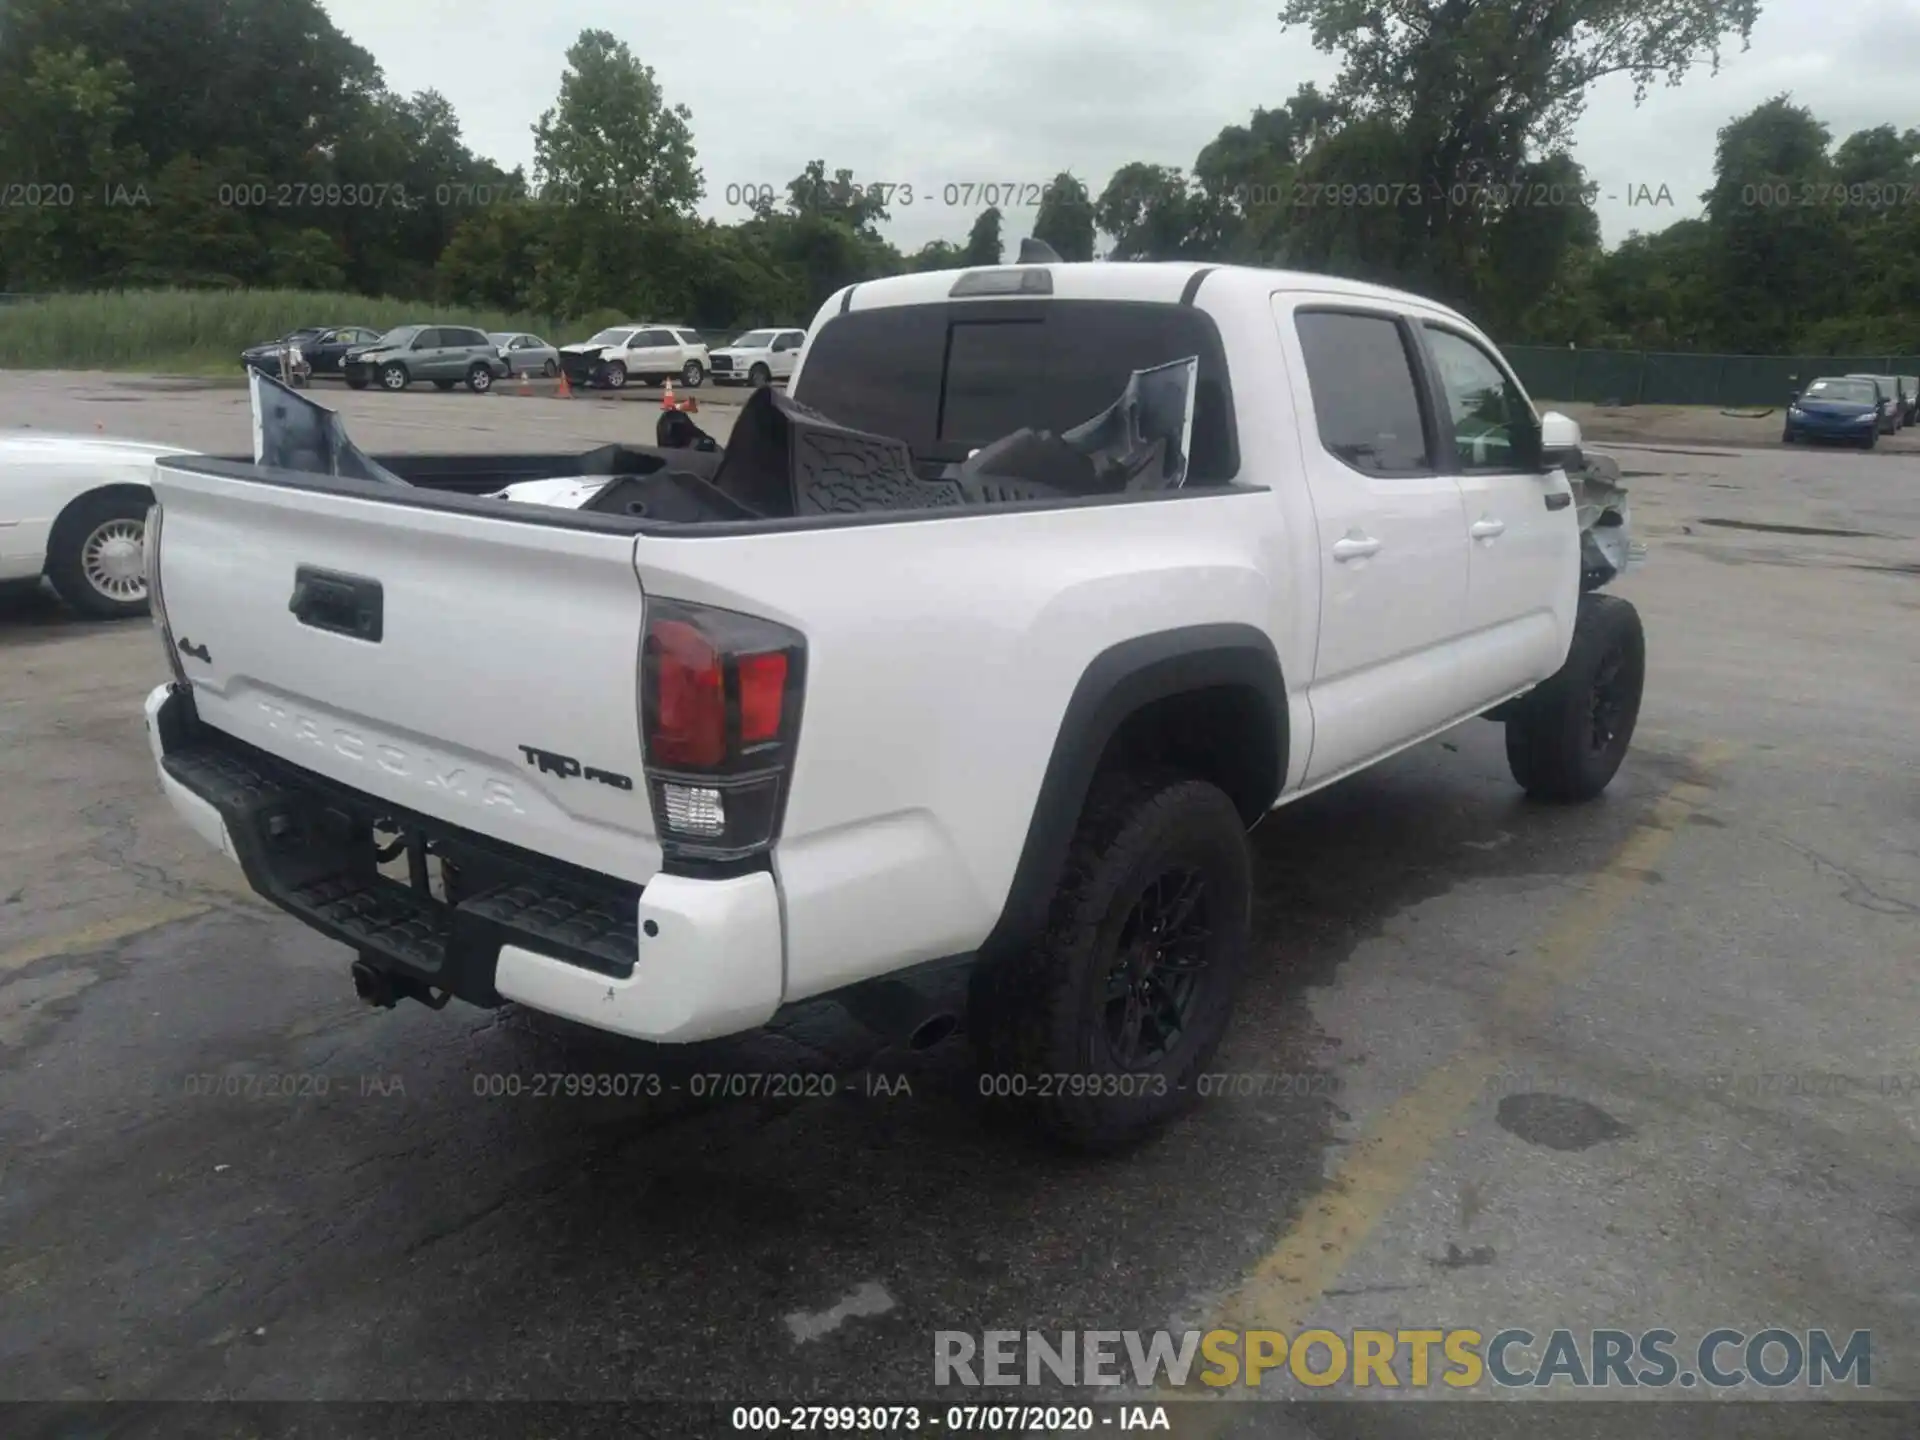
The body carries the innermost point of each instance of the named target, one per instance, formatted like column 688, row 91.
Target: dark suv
column 444, row 354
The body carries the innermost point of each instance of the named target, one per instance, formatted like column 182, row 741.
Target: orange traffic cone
column 565, row 392
column 526, row 384
column 666, row 397
column 690, row 406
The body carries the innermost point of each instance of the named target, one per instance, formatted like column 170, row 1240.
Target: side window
column 687, row 337
column 1489, row 415
column 428, row 339
column 472, row 339
column 653, row 337
column 1364, row 397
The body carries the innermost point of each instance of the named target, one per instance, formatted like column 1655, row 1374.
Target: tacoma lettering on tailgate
column 430, row 772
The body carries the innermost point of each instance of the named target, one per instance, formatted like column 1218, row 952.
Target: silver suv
column 445, row 354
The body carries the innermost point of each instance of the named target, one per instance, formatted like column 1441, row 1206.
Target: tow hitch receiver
column 383, row 988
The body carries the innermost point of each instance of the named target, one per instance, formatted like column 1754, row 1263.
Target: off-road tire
column 394, row 377
column 760, row 376
column 479, row 379
column 1040, row 1020
column 1567, row 738
column 693, row 374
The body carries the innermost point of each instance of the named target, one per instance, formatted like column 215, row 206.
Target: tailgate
column 476, row 668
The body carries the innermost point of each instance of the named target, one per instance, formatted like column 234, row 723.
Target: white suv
column 642, row 352
column 758, row 357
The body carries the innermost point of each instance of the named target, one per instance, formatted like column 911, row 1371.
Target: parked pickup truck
column 1080, row 570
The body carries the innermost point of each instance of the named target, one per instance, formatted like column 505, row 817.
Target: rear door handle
column 1355, row 547
column 1487, row 529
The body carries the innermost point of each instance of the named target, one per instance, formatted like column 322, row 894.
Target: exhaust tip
column 932, row 1032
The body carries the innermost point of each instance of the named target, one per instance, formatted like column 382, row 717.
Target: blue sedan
column 1836, row 408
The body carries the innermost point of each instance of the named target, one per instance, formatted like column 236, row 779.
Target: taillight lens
column 720, row 706
column 763, row 691
column 156, row 600
column 689, row 724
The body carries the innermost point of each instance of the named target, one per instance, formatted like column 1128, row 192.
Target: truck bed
column 484, row 474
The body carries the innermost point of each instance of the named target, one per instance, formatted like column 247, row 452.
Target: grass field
column 199, row 332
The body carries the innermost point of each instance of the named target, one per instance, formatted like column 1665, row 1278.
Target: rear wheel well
column 1227, row 735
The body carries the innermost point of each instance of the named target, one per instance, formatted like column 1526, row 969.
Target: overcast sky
column 1014, row 91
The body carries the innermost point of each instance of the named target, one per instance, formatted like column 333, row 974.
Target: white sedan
column 74, row 508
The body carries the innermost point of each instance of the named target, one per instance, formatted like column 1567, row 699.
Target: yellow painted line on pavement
column 1382, row 1165
column 100, row 934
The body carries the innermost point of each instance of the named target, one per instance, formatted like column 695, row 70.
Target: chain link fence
column 1644, row 377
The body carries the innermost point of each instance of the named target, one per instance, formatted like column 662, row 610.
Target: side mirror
column 1559, row 442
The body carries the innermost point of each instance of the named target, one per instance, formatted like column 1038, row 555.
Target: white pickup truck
column 990, row 688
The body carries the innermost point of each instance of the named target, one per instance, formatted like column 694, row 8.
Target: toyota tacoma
column 985, row 647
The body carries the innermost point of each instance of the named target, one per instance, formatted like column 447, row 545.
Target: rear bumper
column 677, row 960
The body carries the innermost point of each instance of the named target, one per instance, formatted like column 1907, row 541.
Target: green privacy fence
column 1644, row 377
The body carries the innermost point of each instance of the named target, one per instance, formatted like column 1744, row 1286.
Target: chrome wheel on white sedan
column 97, row 558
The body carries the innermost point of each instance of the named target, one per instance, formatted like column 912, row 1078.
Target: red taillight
column 690, row 712
column 763, row 691
column 720, row 711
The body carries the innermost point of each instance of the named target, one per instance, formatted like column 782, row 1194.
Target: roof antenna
column 1038, row 252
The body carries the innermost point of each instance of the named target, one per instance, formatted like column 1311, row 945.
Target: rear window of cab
column 948, row 378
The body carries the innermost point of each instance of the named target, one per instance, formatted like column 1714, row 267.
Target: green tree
column 1536, row 247
column 1781, row 259
column 1149, row 212
column 938, row 255
column 615, row 162
column 413, row 182
column 612, row 142
column 984, row 245
column 61, row 112
column 191, row 236
column 166, row 119
column 1476, row 89
column 306, row 259
column 1245, row 176
column 1338, row 227
column 494, row 255
column 1066, row 220
column 860, row 209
